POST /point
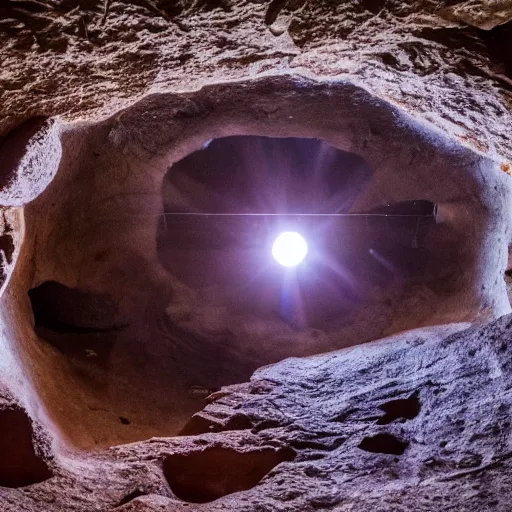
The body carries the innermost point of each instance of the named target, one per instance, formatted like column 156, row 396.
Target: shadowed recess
column 384, row 443
column 63, row 309
column 400, row 409
column 77, row 322
column 201, row 424
column 226, row 203
column 205, row 476
column 20, row 465
column 137, row 493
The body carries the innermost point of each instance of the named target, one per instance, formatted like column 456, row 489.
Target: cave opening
column 205, row 476
column 198, row 312
column 226, row 206
column 148, row 282
column 21, row 463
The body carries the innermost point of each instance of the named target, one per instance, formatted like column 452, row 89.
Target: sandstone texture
column 150, row 359
column 444, row 61
column 109, row 323
column 418, row 421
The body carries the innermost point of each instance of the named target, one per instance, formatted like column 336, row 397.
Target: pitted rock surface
column 418, row 421
column 109, row 314
column 445, row 62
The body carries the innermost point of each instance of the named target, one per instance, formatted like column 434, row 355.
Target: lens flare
column 289, row 249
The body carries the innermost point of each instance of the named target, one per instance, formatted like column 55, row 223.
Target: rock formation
column 153, row 357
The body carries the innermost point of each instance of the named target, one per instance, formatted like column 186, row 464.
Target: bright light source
column 289, row 249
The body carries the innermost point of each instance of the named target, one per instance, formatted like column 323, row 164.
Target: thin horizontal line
column 296, row 215
column 262, row 215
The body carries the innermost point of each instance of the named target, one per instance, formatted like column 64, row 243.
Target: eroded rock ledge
column 441, row 60
column 418, row 421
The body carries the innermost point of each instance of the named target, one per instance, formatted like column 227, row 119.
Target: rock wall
column 420, row 420
column 108, row 332
column 98, row 100
column 442, row 61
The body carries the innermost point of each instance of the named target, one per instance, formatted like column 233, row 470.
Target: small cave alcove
column 20, row 463
column 205, row 476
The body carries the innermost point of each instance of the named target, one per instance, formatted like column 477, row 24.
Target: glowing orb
column 289, row 249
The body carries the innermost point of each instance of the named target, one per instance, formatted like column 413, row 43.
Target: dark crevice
column 328, row 445
column 270, row 424
column 275, row 7
column 137, row 493
column 202, row 477
column 496, row 40
column 403, row 409
column 466, row 36
column 20, row 465
column 343, row 416
column 210, row 5
column 6, row 251
column 374, row 6
column 384, row 443
column 199, row 424
column 70, row 310
column 7, row 241
column 238, row 422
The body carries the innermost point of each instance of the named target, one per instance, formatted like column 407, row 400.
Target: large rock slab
column 420, row 421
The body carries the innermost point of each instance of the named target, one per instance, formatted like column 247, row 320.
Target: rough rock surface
column 87, row 59
column 100, row 344
column 418, row 421
column 109, row 333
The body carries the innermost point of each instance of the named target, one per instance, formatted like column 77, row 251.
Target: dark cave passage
column 201, row 477
column 20, row 465
column 225, row 204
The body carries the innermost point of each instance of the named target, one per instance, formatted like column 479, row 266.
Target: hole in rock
column 226, row 204
column 137, row 493
column 7, row 242
column 199, row 424
column 384, row 443
column 20, row 465
column 496, row 39
column 77, row 322
column 273, row 10
column 7, row 247
column 68, row 310
column 403, row 408
column 205, row 476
